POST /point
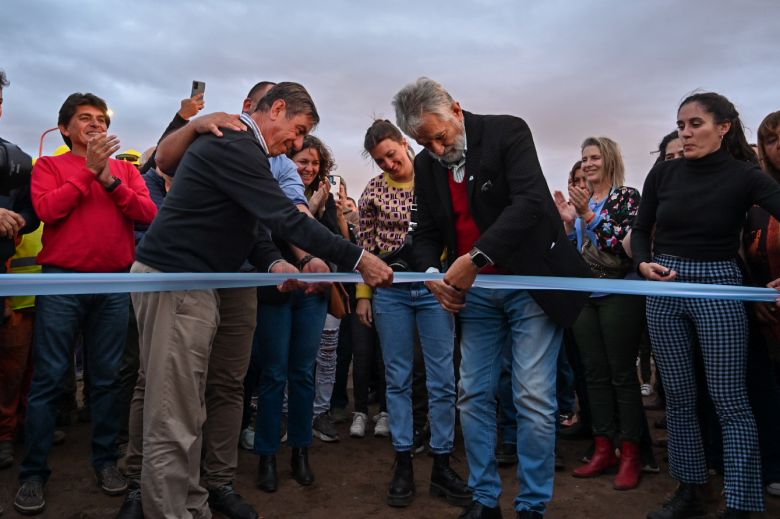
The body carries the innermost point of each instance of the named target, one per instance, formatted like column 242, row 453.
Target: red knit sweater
column 466, row 229
column 88, row 229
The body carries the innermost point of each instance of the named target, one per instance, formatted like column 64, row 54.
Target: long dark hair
column 327, row 164
column 723, row 111
column 669, row 137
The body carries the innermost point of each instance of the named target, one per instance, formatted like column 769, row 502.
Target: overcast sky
column 569, row 68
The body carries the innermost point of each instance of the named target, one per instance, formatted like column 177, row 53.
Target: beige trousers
column 194, row 348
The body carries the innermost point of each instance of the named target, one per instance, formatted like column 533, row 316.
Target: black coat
column 521, row 229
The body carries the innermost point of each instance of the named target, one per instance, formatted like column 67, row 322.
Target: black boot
column 446, row 483
column 266, row 473
column 479, row 511
column 301, row 472
column 131, row 506
column 401, row 492
column 685, row 503
column 230, row 504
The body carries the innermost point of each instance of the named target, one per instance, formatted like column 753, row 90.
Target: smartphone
column 198, row 87
column 335, row 185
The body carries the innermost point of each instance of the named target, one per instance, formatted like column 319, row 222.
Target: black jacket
column 511, row 203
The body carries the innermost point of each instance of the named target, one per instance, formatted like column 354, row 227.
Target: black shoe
column 29, row 498
column 266, row 473
column 301, row 472
column 528, row 514
column 479, row 511
column 131, row 506
column 230, row 504
column 446, row 483
column 685, row 503
column 506, row 454
column 401, row 492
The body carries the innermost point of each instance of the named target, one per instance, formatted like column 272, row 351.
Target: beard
column 455, row 152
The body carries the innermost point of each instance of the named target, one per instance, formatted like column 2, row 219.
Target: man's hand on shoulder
column 375, row 272
column 211, row 123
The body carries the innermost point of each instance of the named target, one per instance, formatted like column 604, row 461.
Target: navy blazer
column 521, row 229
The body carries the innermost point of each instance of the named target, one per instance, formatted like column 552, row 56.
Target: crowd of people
column 197, row 374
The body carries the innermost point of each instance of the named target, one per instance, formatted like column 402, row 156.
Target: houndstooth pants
column 722, row 330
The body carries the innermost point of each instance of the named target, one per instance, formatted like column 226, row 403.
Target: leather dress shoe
column 266, row 473
column 230, row 504
column 131, row 506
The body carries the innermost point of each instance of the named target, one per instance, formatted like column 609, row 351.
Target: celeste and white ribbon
column 84, row 283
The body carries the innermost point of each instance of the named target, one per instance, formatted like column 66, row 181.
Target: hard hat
column 130, row 155
column 61, row 150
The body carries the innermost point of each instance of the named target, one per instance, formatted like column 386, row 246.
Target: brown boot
column 602, row 460
column 630, row 467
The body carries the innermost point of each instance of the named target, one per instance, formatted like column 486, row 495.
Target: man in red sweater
column 89, row 203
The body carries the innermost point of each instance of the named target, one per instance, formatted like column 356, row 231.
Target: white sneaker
column 358, row 427
column 382, row 424
column 646, row 389
column 248, row 439
column 773, row 489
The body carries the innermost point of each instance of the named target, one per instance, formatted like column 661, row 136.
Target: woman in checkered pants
column 697, row 205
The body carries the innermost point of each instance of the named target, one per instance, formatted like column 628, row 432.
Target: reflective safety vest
column 24, row 262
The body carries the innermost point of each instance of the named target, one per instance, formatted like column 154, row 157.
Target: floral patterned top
column 614, row 217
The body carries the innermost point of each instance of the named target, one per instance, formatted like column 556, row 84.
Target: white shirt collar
column 246, row 119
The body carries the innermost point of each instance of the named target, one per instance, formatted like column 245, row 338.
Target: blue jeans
column 398, row 311
column 286, row 344
column 490, row 318
column 103, row 320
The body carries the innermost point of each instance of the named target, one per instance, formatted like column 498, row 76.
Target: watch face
column 479, row 259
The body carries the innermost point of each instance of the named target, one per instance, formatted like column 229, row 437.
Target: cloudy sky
column 570, row 68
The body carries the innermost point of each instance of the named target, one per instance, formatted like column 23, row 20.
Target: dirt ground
column 351, row 482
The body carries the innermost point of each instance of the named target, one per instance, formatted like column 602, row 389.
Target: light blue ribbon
column 79, row 283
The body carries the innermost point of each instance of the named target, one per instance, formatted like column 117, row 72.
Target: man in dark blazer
column 482, row 198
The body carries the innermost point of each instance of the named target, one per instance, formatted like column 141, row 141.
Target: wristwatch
column 113, row 185
column 479, row 258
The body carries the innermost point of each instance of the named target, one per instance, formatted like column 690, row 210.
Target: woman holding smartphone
column 698, row 206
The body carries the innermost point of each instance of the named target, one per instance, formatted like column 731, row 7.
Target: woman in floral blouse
column 608, row 329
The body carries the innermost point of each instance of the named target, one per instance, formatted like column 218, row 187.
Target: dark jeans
column 103, row 319
column 365, row 352
column 607, row 334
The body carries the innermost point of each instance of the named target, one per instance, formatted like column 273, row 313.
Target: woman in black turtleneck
column 698, row 205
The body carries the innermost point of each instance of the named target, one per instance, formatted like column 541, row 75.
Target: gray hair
column 415, row 99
